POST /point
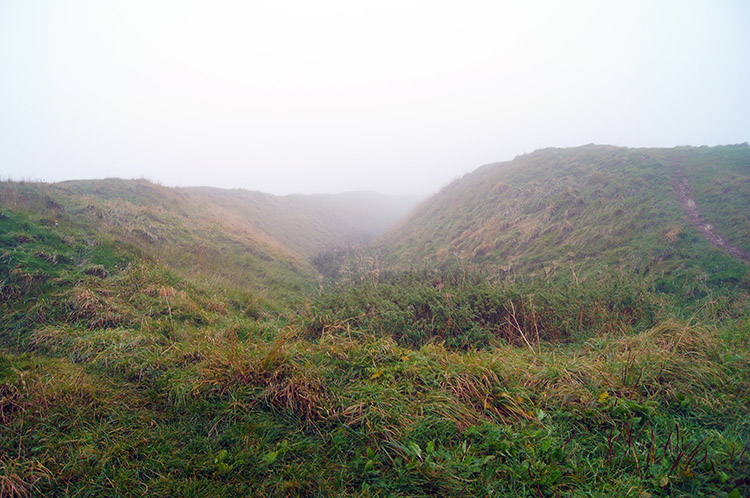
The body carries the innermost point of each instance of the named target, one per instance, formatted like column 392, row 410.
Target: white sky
column 396, row 96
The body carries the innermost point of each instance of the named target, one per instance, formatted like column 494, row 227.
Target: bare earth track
column 707, row 230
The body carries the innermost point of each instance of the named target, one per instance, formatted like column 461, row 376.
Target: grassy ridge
column 588, row 208
column 244, row 240
column 720, row 179
column 310, row 224
column 183, row 233
column 196, row 360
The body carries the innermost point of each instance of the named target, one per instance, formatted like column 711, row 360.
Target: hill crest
column 589, row 206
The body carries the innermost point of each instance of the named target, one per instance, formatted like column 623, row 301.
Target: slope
column 310, row 224
column 719, row 178
column 585, row 209
column 241, row 239
column 181, row 231
column 129, row 368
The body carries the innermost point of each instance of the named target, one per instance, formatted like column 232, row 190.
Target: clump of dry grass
column 282, row 382
column 667, row 361
column 673, row 233
column 298, row 392
column 93, row 309
column 96, row 271
column 671, row 358
column 19, row 478
column 476, row 385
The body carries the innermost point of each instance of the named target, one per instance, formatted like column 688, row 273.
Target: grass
column 370, row 418
column 469, row 312
column 720, row 179
column 195, row 238
column 240, row 405
column 588, row 208
column 124, row 374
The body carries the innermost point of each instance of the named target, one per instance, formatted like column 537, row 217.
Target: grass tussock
column 270, row 374
column 19, row 479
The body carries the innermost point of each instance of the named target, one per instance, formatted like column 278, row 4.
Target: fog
column 331, row 96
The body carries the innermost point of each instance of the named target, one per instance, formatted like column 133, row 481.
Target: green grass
column 126, row 371
column 370, row 418
column 282, row 406
column 470, row 311
column 720, row 179
column 589, row 208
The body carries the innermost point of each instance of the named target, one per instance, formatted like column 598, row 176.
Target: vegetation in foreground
column 132, row 364
column 117, row 378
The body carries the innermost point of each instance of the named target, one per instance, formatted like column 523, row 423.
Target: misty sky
column 396, row 96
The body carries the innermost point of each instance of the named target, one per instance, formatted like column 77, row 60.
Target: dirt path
column 707, row 230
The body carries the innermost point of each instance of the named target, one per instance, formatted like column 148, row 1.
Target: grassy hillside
column 157, row 342
column 720, row 180
column 246, row 240
column 584, row 209
column 311, row 224
column 188, row 234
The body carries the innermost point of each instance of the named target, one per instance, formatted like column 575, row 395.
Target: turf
column 129, row 367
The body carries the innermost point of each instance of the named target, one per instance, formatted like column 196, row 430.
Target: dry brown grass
column 285, row 384
column 673, row 359
column 19, row 477
column 93, row 309
column 670, row 359
column 480, row 389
